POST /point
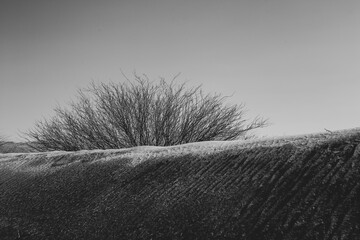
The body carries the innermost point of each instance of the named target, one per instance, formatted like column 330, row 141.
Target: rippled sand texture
column 301, row 187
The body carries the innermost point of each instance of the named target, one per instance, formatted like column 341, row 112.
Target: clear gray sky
column 294, row 62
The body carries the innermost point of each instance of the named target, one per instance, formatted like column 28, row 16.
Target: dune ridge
column 298, row 187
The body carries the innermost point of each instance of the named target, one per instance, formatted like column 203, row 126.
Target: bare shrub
column 141, row 112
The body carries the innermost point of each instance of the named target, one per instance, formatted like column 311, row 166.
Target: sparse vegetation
column 140, row 112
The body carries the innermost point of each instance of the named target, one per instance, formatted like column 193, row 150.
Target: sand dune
column 300, row 187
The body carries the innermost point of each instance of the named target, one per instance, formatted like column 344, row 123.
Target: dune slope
column 305, row 187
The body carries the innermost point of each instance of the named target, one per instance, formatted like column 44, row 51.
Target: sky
column 296, row 63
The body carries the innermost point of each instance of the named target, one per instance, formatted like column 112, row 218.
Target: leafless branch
column 141, row 112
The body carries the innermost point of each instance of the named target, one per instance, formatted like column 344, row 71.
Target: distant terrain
column 302, row 187
column 16, row 147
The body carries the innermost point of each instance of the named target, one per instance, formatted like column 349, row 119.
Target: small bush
column 141, row 112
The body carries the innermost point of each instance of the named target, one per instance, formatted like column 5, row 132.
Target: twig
column 329, row 131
